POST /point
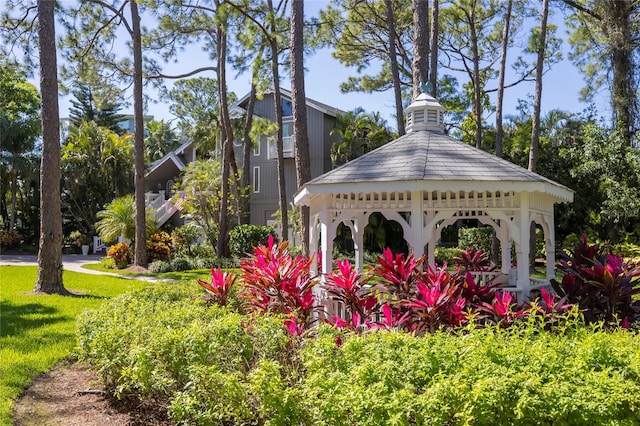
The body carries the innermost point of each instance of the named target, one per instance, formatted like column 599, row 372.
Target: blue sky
column 561, row 85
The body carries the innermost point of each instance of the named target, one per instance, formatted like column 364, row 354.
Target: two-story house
column 262, row 167
column 263, row 195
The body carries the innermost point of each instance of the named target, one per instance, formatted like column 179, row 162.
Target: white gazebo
column 426, row 181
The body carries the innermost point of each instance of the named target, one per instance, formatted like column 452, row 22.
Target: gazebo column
column 505, row 247
column 359, row 224
column 429, row 233
column 326, row 240
column 550, row 243
column 522, row 253
column 416, row 239
column 313, row 244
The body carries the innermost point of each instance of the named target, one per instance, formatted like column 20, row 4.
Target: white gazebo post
column 417, row 224
column 522, row 252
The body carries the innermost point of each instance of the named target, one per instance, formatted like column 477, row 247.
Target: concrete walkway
column 70, row 262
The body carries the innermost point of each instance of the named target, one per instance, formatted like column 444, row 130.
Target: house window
column 256, row 148
column 288, row 143
column 256, row 179
column 287, row 108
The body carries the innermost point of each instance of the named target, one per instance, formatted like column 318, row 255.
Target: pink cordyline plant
column 220, row 286
column 348, row 287
column 276, row 282
column 402, row 274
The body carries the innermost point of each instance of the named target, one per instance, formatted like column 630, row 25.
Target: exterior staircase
column 162, row 209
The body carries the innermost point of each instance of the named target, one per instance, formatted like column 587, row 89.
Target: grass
column 37, row 331
column 203, row 274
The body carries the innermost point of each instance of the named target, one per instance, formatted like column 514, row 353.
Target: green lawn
column 36, row 331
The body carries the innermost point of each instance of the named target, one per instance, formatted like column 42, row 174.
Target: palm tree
column 119, row 218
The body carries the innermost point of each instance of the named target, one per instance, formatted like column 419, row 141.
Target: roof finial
column 425, row 87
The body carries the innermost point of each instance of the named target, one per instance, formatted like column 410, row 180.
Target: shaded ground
column 71, row 395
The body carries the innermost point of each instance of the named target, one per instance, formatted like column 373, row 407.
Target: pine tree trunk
column 535, row 126
column 140, row 251
column 298, row 98
column 501, row 77
column 433, row 75
column 49, row 278
column 227, row 144
column 245, row 212
column 420, row 66
column 394, row 67
column 277, row 99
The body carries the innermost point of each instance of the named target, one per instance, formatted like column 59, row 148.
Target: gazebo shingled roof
column 434, row 180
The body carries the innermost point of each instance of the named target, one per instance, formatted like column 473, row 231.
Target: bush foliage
column 244, row 238
column 213, row 365
column 471, row 356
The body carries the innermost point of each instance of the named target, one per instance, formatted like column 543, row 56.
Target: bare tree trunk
column 298, row 98
column 277, row 99
column 245, row 212
column 49, row 278
column 140, row 255
column 227, row 143
column 477, row 100
column 537, row 100
column 420, row 66
column 394, row 67
column 624, row 98
column 495, row 243
column 535, row 126
column 501, row 77
column 433, row 76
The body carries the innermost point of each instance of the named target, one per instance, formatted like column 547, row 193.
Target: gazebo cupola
column 425, row 113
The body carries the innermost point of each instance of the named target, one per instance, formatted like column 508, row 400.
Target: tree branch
column 189, row 74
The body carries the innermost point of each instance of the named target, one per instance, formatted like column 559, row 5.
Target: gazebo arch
column 434, row 179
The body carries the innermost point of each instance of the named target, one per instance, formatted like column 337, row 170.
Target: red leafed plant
column 501, row 310
column 276, row 282
column 401, row 274
column 604, row 287
column 348, row 287
column 472, row 259
column 220, row 286
column 438, row 302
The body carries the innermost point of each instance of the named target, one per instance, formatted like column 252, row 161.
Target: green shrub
column 108, row 263
column 213, row 365
column 485, row 376
column 477, row 238
column 121, row 254
column 160, row 266
column 215, row 262
column 165, row 345
column 184, row 237
column 445, row 254
column 181, row 264
column 244, row 238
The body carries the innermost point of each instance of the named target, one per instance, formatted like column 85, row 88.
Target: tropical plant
column 159, row 246
column 471, row 259
column 276, row 282
column 349, row 288
column 358, row 134
column 118, row 219
column 604, row 287
column 121, row 254
column 220, row 286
